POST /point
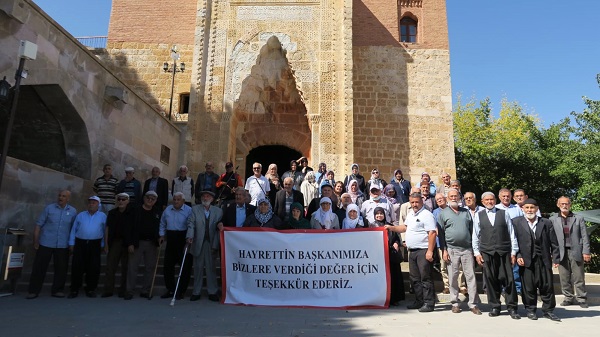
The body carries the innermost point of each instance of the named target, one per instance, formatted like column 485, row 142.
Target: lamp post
column 173, row 69
column 27, row 51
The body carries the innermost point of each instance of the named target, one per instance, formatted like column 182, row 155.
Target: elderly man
column 141, row 240
column 86, row 241
column 441, row 266
column 285, row 198
column 173, row 228
column 118, row 221
column 428, row 197
column 131, row 186
column 257, row 184
column 51, row 241
column 456, row 242
column 236, row 213
column 203, row 236
column 471, row 204
column 421, row 231
column 426, row 177
column 495, row 247
column 207, row 181
column 106, row 189
column 538, row 251
column 505, row 197
column 184, row 184
column 445, row 187
column 160, row 186
column 574, row 250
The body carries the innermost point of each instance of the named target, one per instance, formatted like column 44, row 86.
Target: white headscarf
column 350, row 223
column 325, row 218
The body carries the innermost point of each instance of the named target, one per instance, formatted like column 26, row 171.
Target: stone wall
column 403, row 111
column 123, row 131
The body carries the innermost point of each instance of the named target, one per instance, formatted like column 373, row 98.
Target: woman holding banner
column 396, row 279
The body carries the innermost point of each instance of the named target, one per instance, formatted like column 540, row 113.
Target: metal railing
column 96, row 42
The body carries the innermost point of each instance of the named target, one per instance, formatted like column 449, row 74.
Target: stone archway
column 270, row 109
column 271, row 154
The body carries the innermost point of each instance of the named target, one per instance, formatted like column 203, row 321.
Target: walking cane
column 155, row 269
column 179, row 277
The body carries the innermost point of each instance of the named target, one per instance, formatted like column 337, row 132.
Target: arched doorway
column 271, row 154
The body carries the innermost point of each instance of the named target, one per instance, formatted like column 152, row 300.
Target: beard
column 206, row 203
column 530, row 216
column 490, row 207
column 453, row 204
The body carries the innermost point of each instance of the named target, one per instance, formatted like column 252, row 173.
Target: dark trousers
column 498, row 273
column 397, row 286
column 419, row 270
column 174, row 256
column 535, row 277
column 86, row 260
column 117, row 254
column 40, row 266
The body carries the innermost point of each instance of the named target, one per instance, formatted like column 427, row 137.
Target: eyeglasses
column 150, row 198
column 375, row 172
column 122, row 199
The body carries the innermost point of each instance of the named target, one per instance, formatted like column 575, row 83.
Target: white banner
column 308, row 268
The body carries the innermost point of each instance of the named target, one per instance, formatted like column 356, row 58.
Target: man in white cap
column 86, row 242
column 203, row 236
column 131, row 186
column 375, row 200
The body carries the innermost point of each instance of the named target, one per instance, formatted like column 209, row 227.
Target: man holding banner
column 420, row 240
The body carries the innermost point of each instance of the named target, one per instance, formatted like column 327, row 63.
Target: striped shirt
column 106, row 189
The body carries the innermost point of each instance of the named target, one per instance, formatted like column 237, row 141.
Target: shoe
column 395, row 304
column 426, row 308
column 127, row 297
column 464, row 291
column 531, row 315
column 168, row 294
column 566, row 303
column 144, row 295
column 494, row 313
column 213, row 297
column 179, row 297
column 456, row 309
column 551, row 316
column 513, row 314
column 415, row 305
column 73, row 294
column 59, row 294
column 475, row 310
column 194, row 298
column 105, row 295
column 91, row 294
column 446, row 291
column 31, row 296
column 584, row 305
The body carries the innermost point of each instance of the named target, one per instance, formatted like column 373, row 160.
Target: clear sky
column 541, row 53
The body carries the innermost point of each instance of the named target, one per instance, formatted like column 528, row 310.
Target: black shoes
column 194, row 298
column 415, row 305
column 91, row 294
column 73, row 294
column 31, row 296
column 214, row 297
column 128, row 297
column 551, row 316
column 494, row 313
column 145, row 295
column 584, row 305
column 105, row 295
column 513, row 314
column 426, row 308
column 531, row 315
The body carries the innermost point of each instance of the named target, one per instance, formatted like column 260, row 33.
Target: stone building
column 337, row 81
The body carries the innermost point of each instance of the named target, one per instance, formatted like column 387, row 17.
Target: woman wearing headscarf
column 397, row 281
column 274, row 182
column 293, row 173
column 389, row 193
column 355, row 175
column 263, row 216
column 296, row 218
column 321, row 172
column 309, row 188
column 357, row 196
column 375, row 180
column 353, row 218
column 324, row 218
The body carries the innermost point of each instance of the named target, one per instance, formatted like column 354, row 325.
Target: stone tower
column 338, row 81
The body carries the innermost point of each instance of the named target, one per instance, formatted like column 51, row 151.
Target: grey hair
column 485, row 194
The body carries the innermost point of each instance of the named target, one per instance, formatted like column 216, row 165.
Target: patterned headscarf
column 263, row 218
column 387, row 188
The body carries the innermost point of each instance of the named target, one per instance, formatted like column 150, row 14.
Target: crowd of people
column 439, row 226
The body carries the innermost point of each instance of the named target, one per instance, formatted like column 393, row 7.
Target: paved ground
column 46, row 316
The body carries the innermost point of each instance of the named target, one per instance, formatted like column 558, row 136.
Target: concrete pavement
column 47, row 316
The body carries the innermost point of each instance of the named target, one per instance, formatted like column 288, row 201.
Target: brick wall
column 153, row 21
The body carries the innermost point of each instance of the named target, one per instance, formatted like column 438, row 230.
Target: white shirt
column 418, row 226
column 491, row 214
column 258, row 188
